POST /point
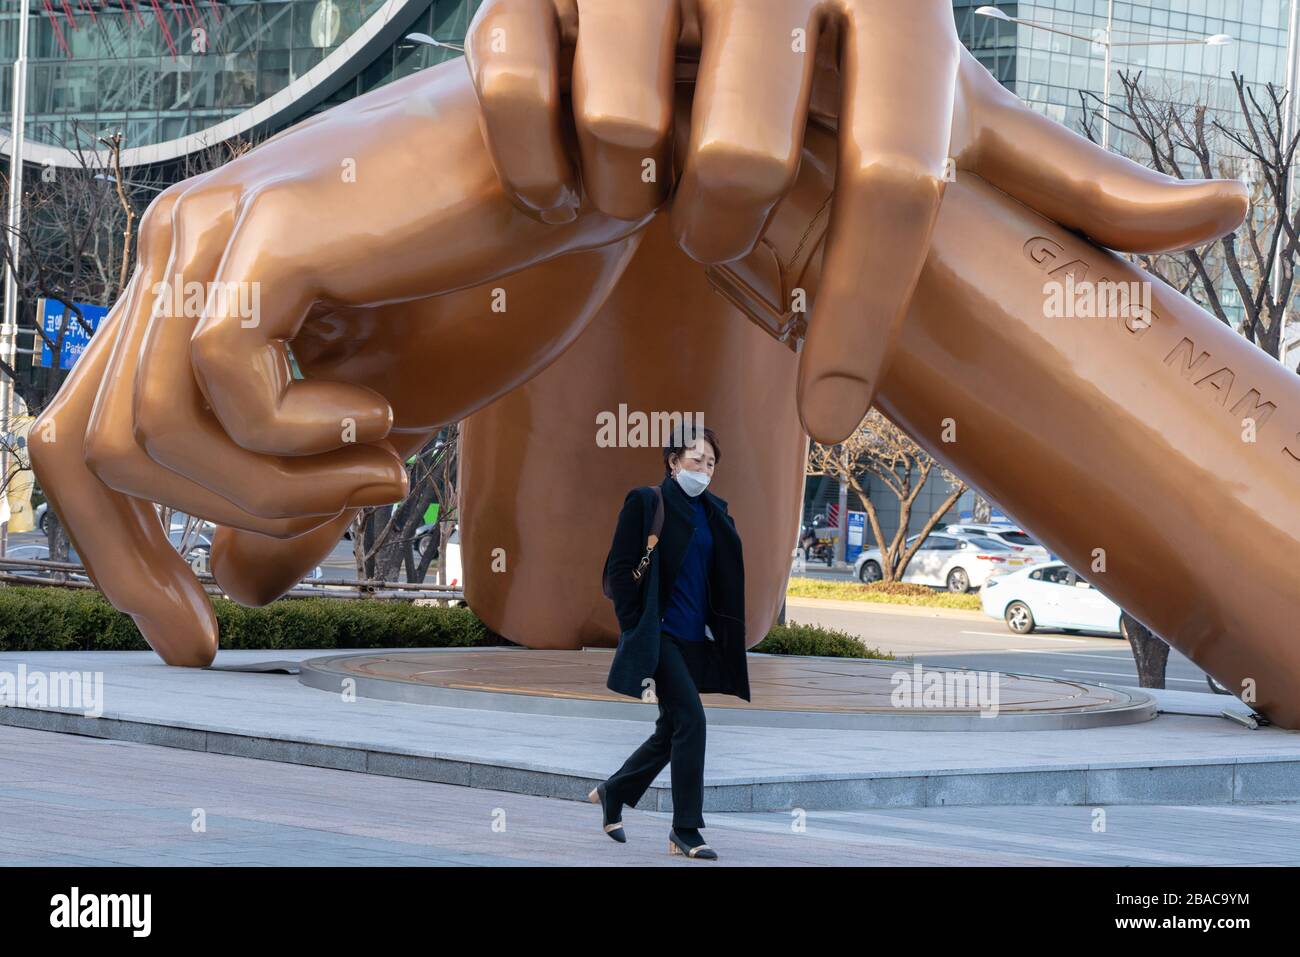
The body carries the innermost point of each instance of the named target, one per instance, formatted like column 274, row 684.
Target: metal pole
column 842, row 540
column 9, row 341
column 1105, row 82
column 1289, row 120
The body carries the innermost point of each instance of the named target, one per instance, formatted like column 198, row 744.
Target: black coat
column 727, row 672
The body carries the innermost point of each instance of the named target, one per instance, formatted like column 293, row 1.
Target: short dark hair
column 683, row 439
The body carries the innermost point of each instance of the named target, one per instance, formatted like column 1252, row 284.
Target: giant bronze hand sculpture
column 197, row 408
column 913, row 107
column 368, row 275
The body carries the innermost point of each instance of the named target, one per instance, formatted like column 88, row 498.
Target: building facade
column 177, row 77
column 1047, row 70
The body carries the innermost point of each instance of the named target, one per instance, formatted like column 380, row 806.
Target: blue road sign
column 75, row 339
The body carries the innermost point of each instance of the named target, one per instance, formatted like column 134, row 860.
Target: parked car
column 947, row 561
column 1006, row 534
column 455, row 575
column 197, row 545
column 1049, row 595
column 42, row 513
column 426, row 537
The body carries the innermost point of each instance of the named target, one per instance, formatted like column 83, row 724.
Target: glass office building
column 1047, row 70
column 167, row 73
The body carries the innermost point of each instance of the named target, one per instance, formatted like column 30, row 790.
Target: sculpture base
column 803, row 692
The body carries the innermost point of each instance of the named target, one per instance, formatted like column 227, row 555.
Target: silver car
column 1009, row 535
column 947, row 561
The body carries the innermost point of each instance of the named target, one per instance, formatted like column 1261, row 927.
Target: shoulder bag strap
column 656, row 529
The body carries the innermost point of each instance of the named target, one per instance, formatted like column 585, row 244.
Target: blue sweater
column 688, row 606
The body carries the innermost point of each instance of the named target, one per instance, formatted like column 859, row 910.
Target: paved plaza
column 74, row 800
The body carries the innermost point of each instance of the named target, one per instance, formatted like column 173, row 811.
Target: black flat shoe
column 679, row 845
column 613, row 828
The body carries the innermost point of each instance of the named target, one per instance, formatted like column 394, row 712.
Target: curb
column 1208, row 781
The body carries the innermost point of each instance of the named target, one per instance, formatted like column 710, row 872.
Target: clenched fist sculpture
column 635, row 182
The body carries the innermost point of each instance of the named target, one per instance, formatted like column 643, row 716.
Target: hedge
column 57, row 619
column 52, row 619
column 817, row 641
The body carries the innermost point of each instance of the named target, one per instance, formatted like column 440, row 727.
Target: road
column 984, row 644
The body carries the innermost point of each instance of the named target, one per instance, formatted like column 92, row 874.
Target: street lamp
column 434, row 42
column 1217, row 40
column 127, row 182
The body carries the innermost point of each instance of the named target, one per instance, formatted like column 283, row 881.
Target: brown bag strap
column 656, row 529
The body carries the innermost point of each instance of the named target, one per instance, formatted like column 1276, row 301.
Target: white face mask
column 692, row 483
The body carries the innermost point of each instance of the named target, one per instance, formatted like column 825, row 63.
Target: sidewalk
column 1173, row 759
column 71, row 801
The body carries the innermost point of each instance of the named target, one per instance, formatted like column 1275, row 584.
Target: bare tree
column 388, row 540
column 878, row 448
column 76, row 245
column 1150, row 651
column 1186, row 139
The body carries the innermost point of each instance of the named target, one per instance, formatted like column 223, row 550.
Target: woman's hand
column 914, row 108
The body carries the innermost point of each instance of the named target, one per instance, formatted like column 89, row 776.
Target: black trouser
column 678, row 737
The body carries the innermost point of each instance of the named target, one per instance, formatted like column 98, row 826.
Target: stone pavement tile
column 1142, row 835
column 266, row 813
column 54, row 862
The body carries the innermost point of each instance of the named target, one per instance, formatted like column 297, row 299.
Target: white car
column 426, row 537
column 1006, row 534
column 1049, row 595
column 946, row 561
column 453, row 573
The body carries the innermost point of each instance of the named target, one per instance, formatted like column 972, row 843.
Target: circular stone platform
column 788, row 691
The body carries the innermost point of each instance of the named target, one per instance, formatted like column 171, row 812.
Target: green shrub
column 815, row 641
column 54, row 619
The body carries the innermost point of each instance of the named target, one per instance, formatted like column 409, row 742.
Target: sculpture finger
column 120, row 539
column 894, row 132
column 111, row 450
column 257, row 303
column 175, row 427
column 115, row 446
column 512, row 50
column 747, row 122
column 622, row 91
column 1067, row 178
column 256, row 570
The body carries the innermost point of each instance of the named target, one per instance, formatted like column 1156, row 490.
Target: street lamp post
column 1107, row 41
column 9, row 340
column 1288, row 131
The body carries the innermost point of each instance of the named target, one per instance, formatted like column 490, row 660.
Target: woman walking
column 676, row 575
